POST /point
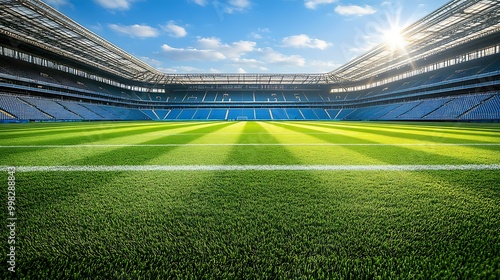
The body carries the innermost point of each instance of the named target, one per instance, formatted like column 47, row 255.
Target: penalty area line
column 120, row 168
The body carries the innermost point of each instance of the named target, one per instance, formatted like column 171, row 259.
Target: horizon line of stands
column 448, row 75
column 471, row 107
column 271, row 105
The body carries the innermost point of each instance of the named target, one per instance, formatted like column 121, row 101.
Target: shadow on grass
column 24, row 156
column 428, row 137
column 416, row 132
column 49, row 237
column 387, row 154
column 101, row 133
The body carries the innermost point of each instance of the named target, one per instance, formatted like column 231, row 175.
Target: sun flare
column 394, row 39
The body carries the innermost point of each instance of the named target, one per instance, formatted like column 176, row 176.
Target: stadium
column 386, row 167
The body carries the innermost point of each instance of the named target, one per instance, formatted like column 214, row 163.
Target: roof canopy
column 456, row 23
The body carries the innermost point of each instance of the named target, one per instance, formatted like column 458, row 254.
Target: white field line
column 118, row 168
column 245, row 144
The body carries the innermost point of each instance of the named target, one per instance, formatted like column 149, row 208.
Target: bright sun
column 394, row 39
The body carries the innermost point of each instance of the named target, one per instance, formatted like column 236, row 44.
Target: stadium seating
column 463, row 107
column 456, row 107
column 42, row 109
column 399, row 111
column 294, row 114
column 194, row 96
column 151, row 114
column 218, row 114
column 308, row 114
column 80, row 110
column 241, row 114
column 201, row 114
column 21, row 109
column 321, row 114
column 125, row 113
column 56, row 110
column 278, row 114
column 162, row 114
column 186, row 114
column 6, row 116
column 425, row 108
column 488, row 109
column 173, row 114
column 262, row 114
column 421, row 94
column 340, row 114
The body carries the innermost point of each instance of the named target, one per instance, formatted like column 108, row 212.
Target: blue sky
column 245, row 36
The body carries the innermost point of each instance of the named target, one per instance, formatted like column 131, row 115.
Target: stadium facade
column 53, row 69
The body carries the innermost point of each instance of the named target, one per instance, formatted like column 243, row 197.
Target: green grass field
column 253, row 200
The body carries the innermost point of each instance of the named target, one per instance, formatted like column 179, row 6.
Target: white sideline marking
column 245, row 144
column 115, row 168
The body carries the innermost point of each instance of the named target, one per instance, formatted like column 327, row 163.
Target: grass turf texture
column 254, row 224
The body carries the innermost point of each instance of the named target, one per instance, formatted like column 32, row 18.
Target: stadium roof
column 36, row 23
column 456, row 23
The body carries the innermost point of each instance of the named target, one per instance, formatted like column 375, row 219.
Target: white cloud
column 233, row 50
column 239, row 48
column 209, row 43
column 351, row 10
column 96, row 27
column 186, row 54
column 237, row 6
column 115, row 4
column 136, row 30
column 167, row 70
column 185, row 69
column 239, row 3
column 255, row 35
column 211, row 49
column 240, row 55
column 241, row 70
column 214, row 70
column 175, row 30
column 248, row 62
column 258, row 33
column 180, row 69
column 321, row 66
column 261, row 58
column 230, row 6
column 303, row 41
column 151, row 61
column 200, row 2
column 313, row 4
column 271, row 56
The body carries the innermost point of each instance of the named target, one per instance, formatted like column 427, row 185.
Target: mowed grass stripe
column 247, row 144
column 395, row 154
column 121, row 168
column 417, row 128
column 244, row 143
column 96, row 134
column 149, row 156
column 242, row 223
column 389, row 133
column 110, row 155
